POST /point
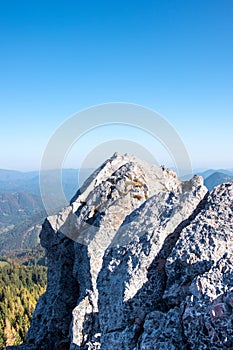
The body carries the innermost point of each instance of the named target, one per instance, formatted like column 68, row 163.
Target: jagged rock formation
column 140, row 260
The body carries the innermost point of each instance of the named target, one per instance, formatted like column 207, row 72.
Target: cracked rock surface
column 139, row 260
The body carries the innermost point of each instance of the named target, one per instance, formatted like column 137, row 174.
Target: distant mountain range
column 21, row 208
column 28, row 182
column 22, row 211
column 206, row 173
column 18, row 206
column 216, row 179
column 213, row 177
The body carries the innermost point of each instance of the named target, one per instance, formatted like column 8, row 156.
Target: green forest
column 20, row 287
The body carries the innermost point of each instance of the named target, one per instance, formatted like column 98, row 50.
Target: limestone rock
column 208, row 312
column 97, row 222
column 201, row 244
column 132, row 279
column 163, row 331
column 139, row 260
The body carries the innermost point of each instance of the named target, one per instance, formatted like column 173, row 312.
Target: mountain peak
column 125, row 259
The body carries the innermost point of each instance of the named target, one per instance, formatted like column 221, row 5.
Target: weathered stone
column 105, row 209
column 208, row 312
column 132, row 279
column 139, row 260
column 201, row 244
column 163, row 331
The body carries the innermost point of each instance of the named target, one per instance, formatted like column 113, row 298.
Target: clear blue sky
column 58, row 57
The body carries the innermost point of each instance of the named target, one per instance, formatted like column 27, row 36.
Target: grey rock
column 52, row 316
column 132, row 280
column 163, row 331
column 208, row 312
column 201, row 244
column 139, row 260
column 105, row 209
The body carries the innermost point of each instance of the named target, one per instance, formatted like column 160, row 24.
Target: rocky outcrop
column 139, row 260
column 135, row 272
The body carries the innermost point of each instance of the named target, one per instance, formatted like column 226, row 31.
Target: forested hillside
column 20, row 287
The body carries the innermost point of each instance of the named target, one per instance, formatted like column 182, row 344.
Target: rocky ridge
column 139, row 260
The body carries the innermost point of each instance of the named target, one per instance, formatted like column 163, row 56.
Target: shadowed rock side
column 147, row 265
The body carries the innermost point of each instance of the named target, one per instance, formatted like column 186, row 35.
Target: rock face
column 139, row 260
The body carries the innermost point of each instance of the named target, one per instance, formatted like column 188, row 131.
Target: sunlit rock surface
column 139, row 260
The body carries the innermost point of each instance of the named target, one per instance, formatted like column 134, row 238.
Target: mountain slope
column 29, row 182
column 210, row 172
column 21, row 208
column 20, row 288
column 217, row 178
column 18, row 206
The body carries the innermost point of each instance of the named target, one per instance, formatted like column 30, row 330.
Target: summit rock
column 138, row 260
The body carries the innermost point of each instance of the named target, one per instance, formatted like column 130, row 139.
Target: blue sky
column 59, row 57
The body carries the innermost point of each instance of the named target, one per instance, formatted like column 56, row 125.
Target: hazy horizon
column 201, row 169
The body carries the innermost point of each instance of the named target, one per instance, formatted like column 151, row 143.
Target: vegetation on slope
column 20, row 288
